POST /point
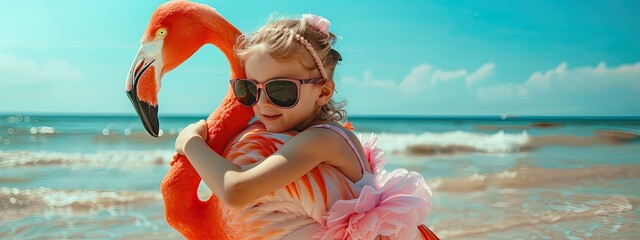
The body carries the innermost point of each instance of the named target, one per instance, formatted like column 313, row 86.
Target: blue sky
column 400, row 57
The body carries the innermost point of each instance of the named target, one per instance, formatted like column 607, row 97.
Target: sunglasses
column 281, row 92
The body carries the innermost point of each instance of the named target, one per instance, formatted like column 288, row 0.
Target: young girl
column 321, row 182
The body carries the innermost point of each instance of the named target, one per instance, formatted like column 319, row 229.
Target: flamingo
column 177, row 29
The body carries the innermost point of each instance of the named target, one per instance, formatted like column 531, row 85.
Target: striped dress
column 303, row 209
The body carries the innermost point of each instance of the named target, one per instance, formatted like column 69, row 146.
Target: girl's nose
column 262, row 97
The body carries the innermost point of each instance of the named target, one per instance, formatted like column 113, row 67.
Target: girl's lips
column 271, row 117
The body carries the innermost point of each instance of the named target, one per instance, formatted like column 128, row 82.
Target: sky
column 568, row 58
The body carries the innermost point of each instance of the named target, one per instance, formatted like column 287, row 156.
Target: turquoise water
column 492, row 178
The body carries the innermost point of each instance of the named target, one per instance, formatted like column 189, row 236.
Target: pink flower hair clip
column 319, row 23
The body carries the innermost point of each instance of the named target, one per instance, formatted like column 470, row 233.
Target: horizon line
column 383, row 116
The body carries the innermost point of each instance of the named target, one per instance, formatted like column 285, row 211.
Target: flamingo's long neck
column 184, row 211
column 230, row 117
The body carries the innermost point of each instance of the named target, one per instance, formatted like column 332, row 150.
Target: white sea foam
column 447, row 142
column 571, row 216
column 426, row 143
column 524, row 176
column 42, row 130
column 34, row 200
column 107, row 159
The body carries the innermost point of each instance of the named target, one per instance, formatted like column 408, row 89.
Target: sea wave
column 448, row 143
column 526, row 176
column 22, row 201
column 429, row 143
column 557, row 213
column 416, row 144
column 423, row 144
column 107, row 159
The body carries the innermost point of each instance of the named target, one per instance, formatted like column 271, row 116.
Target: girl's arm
column 237, row 186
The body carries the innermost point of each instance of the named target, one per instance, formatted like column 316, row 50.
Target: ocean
column 492, row 177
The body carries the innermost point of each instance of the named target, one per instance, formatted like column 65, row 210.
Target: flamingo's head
column 177, row 30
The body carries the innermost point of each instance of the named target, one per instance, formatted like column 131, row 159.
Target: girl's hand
column 198, row 129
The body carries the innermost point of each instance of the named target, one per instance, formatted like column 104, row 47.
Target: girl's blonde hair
column 278, row 38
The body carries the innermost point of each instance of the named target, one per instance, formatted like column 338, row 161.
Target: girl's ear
column 326, row 93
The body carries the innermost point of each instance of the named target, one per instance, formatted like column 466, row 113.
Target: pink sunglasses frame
column 262, row 86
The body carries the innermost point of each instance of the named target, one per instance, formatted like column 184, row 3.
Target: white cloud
column 27, row 84
column 559, row 90
column 26, row 71
column 417, row 79
column 627, row 75
column 484, row 72
column 424, row 77
column 543, row 81
column 579, row 90
column 560, row 78
column 585, row 78
column 369, row 80
column 444, row 76
column 588, row 78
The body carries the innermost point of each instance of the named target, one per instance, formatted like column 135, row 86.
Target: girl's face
column 262, row 67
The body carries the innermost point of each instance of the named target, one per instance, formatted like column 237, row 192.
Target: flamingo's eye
column 161, row 32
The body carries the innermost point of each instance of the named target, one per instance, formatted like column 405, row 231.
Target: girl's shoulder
column 331, row 125
column 347, row 154
column 342, row 132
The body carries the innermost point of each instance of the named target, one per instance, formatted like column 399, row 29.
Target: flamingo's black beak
column 148, row 112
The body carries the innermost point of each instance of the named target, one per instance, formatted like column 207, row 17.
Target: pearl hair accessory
column 313, row 53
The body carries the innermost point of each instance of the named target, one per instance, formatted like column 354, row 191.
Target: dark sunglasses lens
column 282, row 93
column 246, row 92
